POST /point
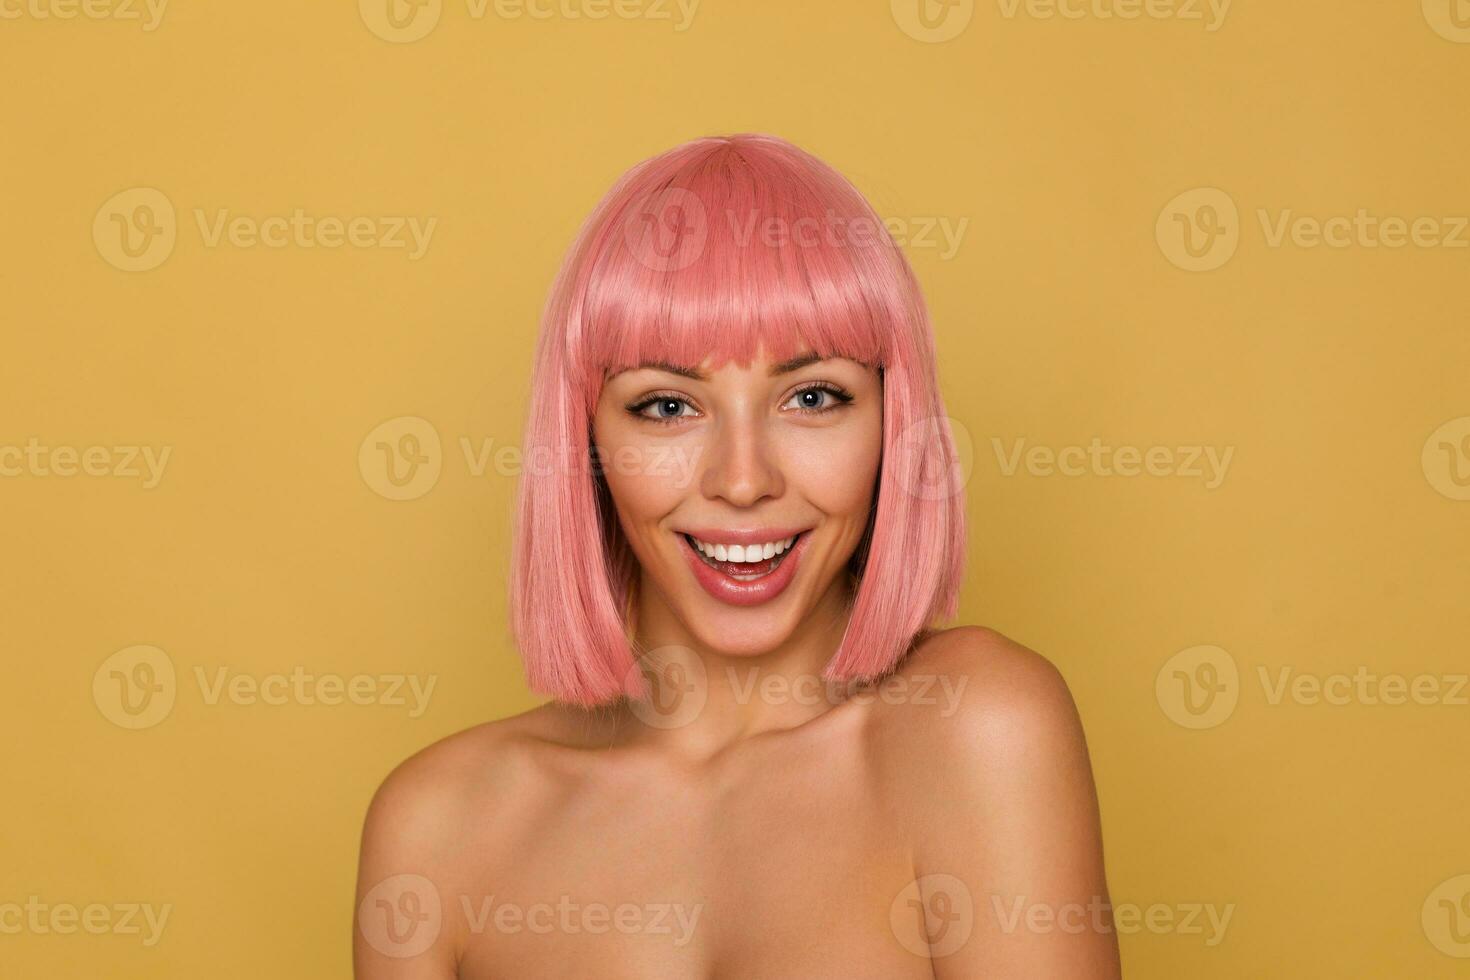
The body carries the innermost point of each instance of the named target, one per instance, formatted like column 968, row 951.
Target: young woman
column 741, row 514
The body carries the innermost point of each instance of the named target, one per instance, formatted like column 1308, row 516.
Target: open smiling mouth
column 744, row 563
column 745, row 575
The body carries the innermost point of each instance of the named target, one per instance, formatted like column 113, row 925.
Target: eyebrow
column 785, row 367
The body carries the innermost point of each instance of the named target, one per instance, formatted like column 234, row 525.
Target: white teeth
column 746, row 554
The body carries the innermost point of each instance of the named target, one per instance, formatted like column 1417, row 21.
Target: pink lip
column 731, row 591
column 755, row 535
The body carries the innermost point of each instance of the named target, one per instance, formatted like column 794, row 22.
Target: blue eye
column 815, row 399
column 811, row 398
column 663, row 408
column 818, row 399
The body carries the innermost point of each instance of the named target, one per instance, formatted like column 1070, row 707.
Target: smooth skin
column 782, row 828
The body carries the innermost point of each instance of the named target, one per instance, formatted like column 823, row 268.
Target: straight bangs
column 716, row 255
column 725, row 249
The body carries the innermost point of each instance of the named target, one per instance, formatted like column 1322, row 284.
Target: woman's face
column 742, row 491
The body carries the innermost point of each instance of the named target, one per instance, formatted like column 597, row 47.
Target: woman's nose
column 741, row 467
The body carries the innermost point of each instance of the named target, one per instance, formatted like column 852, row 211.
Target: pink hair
column 720, row 289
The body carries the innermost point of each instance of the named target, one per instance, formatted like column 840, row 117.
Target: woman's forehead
column 761, row 362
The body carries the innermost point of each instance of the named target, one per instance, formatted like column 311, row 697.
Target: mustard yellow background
column 1335, row 541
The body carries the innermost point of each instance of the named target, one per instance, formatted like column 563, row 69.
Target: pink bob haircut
column 679, row 264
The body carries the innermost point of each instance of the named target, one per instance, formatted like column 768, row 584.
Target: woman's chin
column 740, row 632
column 740, row 629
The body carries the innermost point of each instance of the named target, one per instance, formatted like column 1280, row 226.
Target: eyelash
column 637, row 408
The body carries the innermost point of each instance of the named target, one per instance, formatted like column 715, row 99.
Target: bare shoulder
column 994, row 785
column 432, row 785
column 466, row 791
column 985, row 691
column 453, row 815
column 977, row 719
column 979, row 650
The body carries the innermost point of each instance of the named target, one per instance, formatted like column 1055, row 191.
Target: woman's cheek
column 838, row 468
column 643, row 482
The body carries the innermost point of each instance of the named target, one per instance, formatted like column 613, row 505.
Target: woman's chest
column 795, row 872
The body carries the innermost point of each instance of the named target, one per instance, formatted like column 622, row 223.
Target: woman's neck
column 703, row 701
